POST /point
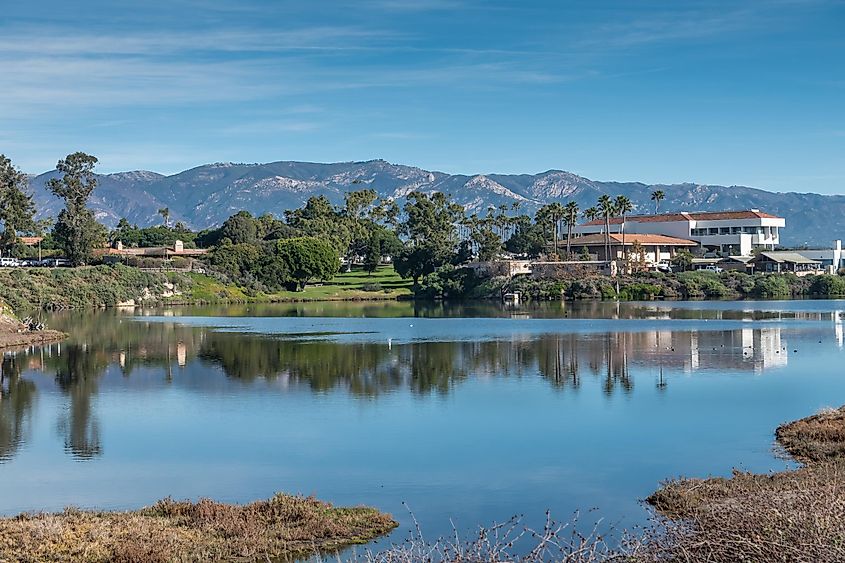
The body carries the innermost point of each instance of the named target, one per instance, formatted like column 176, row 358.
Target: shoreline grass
column 796, row 515
column 283, row 526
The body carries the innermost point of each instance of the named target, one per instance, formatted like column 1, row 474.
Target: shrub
column 827, row 285
column 640, row 291
column 448, row 282
column 771, row 286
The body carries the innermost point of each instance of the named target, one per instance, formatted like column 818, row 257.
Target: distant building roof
column 687, row 216
column 781, row 256
column 633, row 238
column 743, row 259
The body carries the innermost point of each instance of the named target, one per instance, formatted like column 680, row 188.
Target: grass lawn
column 384, row 283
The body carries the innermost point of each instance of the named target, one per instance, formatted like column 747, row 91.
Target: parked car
column 9, row 263
column 661, row 267
column 713, row 268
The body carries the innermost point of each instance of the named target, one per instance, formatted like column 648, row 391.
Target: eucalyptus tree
column 17, row 211
column 165, row 215
column 430, row 227
column 76, row 230
column 657, row 196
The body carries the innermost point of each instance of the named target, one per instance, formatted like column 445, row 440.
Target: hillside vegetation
column 30, row 289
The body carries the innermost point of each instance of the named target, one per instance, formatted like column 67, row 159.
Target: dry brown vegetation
column 815, row 439
column 182, row 531
column 788, row 516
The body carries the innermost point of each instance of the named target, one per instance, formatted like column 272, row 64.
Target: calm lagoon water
column 468, row 414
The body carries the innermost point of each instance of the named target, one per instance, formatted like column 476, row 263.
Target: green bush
column 448, row 282
column 771, row 285
column 827, row 285
column 640, row 291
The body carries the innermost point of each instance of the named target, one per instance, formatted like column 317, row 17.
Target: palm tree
column 552, row 213
column 607, row 209
column 591, row 214
column 623, row 206
column 165, row 214
column 657, row 196
column 570, row 218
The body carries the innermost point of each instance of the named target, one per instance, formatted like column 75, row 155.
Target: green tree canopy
column 307, row 258
column 17, row 211
column 430, row 226
column 77, row 232
column 240, row 228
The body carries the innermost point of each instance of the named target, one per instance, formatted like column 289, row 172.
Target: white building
column 732, row 232
column 832, row 259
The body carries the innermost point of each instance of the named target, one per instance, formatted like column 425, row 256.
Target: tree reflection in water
column 17, row 397
column 108, row 343
column 77, row 375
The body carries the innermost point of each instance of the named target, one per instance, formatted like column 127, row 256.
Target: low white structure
column 732, row 232
column 831, row 259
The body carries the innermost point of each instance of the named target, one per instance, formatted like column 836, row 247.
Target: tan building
column 785, row 261
column 654, row 249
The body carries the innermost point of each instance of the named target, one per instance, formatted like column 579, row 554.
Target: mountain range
column 206, row 195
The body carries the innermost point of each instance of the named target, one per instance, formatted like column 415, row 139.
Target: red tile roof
column 630, row 239
column 685, row 216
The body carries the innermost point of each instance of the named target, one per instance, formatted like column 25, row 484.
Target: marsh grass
column 787, row 516
column 184, row 531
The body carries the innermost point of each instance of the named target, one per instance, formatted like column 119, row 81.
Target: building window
column 714, row 231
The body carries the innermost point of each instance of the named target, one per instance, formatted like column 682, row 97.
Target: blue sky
column 738, row 92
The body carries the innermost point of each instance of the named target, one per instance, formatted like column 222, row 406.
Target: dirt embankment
column 787, row 516
column 15, row 334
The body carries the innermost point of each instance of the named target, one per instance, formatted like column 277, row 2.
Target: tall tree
column 657, row 196
column 307, row 258
column 551, row 214
column 76, row 230
column 165, row 214
column 591, row 214
column 357, row 206
column 570, row 219
column 607, row 210
column 17, row 211
column 240, row 228
column 623, row 206
column 431, row 228
column 487, row 241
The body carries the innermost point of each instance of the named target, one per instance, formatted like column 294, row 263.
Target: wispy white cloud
column 62, row 42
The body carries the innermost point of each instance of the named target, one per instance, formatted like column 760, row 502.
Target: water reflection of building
column 752, row 349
